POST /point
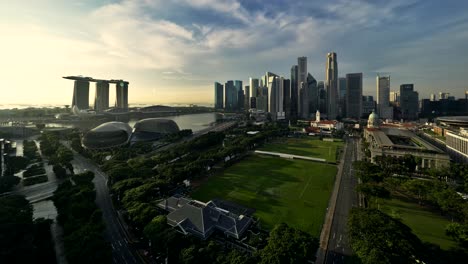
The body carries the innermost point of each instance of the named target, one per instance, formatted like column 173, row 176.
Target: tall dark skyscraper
column 322, row 99
column 247, row 97
column 219, row 95
column 101, row 99
column 294, row 92
column 384, row 110
column 354, row 95
column 409, row 102
column 301, row 85
column 331, row 82
column 368, row 105
column 287, row 98
column 230, row 96
column 342, row 100
column 81, row 94
column 240, row 94
column 313, row 95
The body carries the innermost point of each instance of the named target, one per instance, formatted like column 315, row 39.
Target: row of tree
column 57, row 153
column 22, row 239
column 81, row 221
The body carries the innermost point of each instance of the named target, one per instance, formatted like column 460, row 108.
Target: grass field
column 310, row 147
column 281, row 190
column 427, row 225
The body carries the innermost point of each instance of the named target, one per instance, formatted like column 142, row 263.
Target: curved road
column 122, row 252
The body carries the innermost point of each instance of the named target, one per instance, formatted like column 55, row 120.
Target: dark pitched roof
column 201, row 219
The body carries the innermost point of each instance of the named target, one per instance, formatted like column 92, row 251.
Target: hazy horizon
column 173, row 52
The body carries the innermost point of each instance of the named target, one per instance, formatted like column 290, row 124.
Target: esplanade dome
column 153, row 129
column 107, row 135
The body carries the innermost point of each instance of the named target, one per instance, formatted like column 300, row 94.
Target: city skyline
column 174, row 57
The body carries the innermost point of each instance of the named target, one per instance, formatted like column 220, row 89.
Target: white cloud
column 131, row 39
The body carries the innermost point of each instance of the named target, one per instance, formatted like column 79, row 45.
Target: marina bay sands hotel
column 101, row 101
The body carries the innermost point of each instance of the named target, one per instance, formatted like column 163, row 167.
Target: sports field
column 427, row 225
column 310, row 147
column 281, row 190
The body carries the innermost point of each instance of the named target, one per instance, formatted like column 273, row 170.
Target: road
column 122, row 252
column 338, row 247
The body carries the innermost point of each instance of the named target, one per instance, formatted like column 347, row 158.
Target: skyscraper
column 354, row 95
column 81, row 94
column 312, row 96
column 368, row 104
column 409, row 102
column 271, row 84
column 230, row 96
column 322, row 97
column 219, row 95
column 239, row 95
column 342, row 92
column 254, row 84
column 301, row 83
column 101, row 99
column 287, row 98
column 433, row 97
column 331, row 83
column 443, row 96
column 279, row 98
column 395, row 98
column 294, row 92
column 383, row 97
column 247, row 97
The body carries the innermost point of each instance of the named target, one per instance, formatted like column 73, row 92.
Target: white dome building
column 373, row 121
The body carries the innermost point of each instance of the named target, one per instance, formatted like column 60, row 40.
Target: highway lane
column 122, row 252
column 338, row 247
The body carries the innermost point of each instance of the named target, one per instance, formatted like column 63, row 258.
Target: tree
column 59, row 171
column 16, row 230
column 418, row 188
column 450, row 202
column 119, row 172
column 155, row 228
column 64, row 155
column 378, row 238
column 288, row 245
column 459, row 233
column 188, row 255
column 372, row 190
column 87, row 245
column 368, row 172
column 141, row 213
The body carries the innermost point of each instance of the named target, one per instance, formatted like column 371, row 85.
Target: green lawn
column 427, row 225
column 281, row 190
column 310, row 147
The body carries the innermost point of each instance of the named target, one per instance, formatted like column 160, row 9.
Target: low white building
column 326, row 124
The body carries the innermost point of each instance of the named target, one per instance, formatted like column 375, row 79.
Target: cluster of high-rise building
column 445, row 105
column 297, row 97
column 301, row 95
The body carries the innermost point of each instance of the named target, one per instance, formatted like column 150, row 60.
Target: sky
column 172, row 51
